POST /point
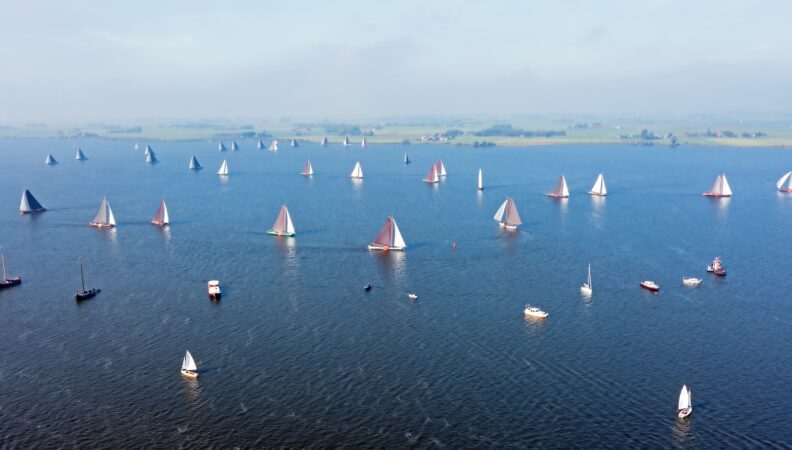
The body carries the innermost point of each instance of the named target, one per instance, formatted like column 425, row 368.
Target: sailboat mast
column 5, row 276
column 82, row 277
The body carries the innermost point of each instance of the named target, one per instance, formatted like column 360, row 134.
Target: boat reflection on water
column 722, row 205
column 392, row 265
column 288, row 250
column 192, row 391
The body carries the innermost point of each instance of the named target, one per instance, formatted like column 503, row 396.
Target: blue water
column 296, row 354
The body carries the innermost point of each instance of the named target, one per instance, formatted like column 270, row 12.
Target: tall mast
column 82, row 277
column 5, row 276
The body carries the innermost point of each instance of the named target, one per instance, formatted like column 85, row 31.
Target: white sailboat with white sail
column 389, row 237
column 234, row 146
column 189, row 369
column 260, row 145
column 599, row 187
column 587, row 287
column 161, row 217
column 151, row 158
column 685, row 404
column 194, row 164
column 784, row 183
column 283, row 225
column 364, row 142
column 720, row 188
column 560, row 189
column 357, row 172
column 147, row 150
column 507, row 215
column 441, row 170
column 273, row 145
column 406, row 159
column 104, row 218
column 80, row 156
column 223, row 171
column 346, row 141
column 324, row 142
column 294, row 143
column 307, row 169
column 221, row 147
column 480, row 181
column 50, row 160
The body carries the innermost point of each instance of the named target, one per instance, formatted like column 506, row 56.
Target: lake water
column 296, row 354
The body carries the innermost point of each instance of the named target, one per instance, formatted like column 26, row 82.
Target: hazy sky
column 83, row 60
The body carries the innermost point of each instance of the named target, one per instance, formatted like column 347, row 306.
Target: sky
column 183, row 60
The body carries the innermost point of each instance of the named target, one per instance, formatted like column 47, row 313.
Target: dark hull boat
column 85, row 295
column 11, row 282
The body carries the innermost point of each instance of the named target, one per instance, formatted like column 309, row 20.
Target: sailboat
column 223, row 171
column 586, row 289
column 720, row 188
column 307, row 169
column 560, row 189
column 104, row 218
column 389, row 237
column 283, row 225
column 364, row 142
column 273, row 145
column 147, row 150
column 784, row 183
column 50, row 161
column 599, row 187
column 221, row 147
column 432, row 176
column 685, row 404
column 324, row 142
column 7, row 282
column 480, row 181
column 151, row 158
column 406, row 159
column 234, row 146
column 29, row 204
column 80, row 155
column 161, row 217
column 194, row 164
column 189, row 369
column 357, row 172
column 507, row 215
column 441, row 170
column 85, row 294
column 137, row 146
column 346, row 141
column 294, row 143
column 260, row 144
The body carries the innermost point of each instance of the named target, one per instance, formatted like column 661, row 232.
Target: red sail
column 385, row 236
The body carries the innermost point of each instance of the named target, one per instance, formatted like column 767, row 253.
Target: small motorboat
column 412, row 296
column 533, row 311
column 685, row 405
column 214, row 290
column 716, row 267
column 367, row 287
column 650, row 285
column 691, row 281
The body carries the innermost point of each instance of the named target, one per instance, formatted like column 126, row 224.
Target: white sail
column 29, row 204
column 499, row 214
column 357, row 172
column 398, row 240
column 273, row 145
column 406, row 159
column 720, row 188
column 234, row 146
column 24, row 206
column 50, row 160
column 346, row 141
column 137, row 146
column 223, row 168
column 588, row 282
column 260, row 145
column 165, row 216
column 194, row 164
column 110, row 215
column 289, row 225
column 441, row 170
column 599, row 186
column 480, row 181
column 684, row 398
column 188, row 363
column 80, row 155
column 308, row 169
column 560, row 188
column 785, row 182
column 364, row 143
column 221, row 147
column 725, row 188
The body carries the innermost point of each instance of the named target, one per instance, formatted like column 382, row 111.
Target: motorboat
column 716, row 267
column 533, row 311
column 690, row 281
column 214, row 290
column 412, row 296
column 650, row 285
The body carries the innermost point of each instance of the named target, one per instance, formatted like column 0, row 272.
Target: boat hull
column 685, row 412
column 597, row 194
column 712, row 194
column 100, row 225
column 551, row 195
column 585, row 291
column 159, row 223
column 11, row 282
column 85, row 295
column 785, row 190
column 508, row 226
column 279, row 233
column 189, row 373
column 33, row 211
column 383, row 248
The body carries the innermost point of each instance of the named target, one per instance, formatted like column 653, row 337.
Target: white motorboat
column 533, row 311
column 214, row 290
column 691, row 281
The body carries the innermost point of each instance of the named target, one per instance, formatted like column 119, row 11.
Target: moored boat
column 283, row 225
column 716, row 267
column 533, row 311
column 29, row 204
column 294, row 143
column 85, row 294
column 507, row 215
column 221, row 147
column 685, row 403
column 7, row 282
column 720, row 188
column 189, row 369
column 389, row 237
column 161, row 217
column 357, row 171
column 650, row 285
column 214, row 289
column 104, row 217
column 560, row 189
column 599, row 187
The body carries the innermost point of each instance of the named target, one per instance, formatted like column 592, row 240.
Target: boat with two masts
column 85, row 294
column 720, row 188
column 432, row 176
column 507, row 215
column 599, row 187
